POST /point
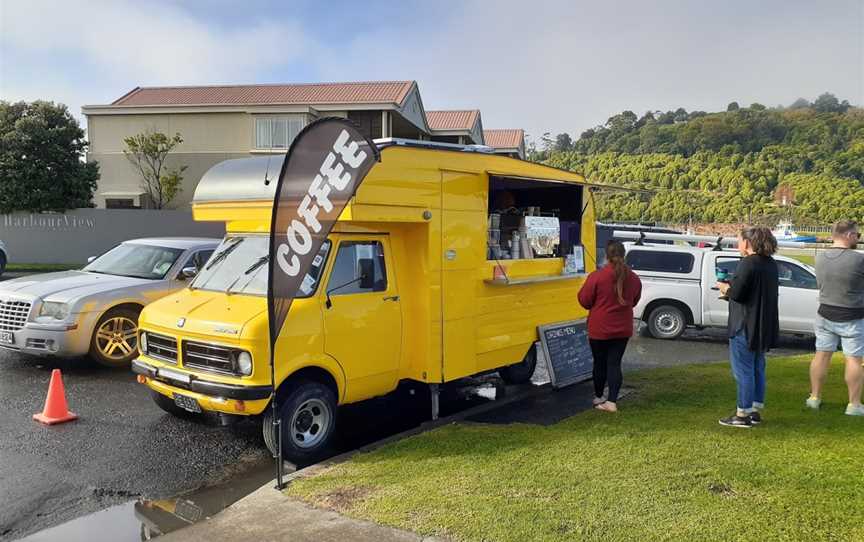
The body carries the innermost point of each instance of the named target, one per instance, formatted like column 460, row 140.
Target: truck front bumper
column 211, row 396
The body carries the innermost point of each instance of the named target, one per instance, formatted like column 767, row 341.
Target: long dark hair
column 615, row 258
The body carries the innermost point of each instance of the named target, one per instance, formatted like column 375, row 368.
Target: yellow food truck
column 464, row 254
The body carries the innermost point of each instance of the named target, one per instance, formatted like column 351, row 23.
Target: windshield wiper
column 252, row 268
column 258, row 263
column 224, row 254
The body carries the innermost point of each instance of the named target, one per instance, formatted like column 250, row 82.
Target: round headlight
column 142, row 345
column 244, row 363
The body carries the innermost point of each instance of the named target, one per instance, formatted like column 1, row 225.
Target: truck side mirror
column 367, row 273
column 188, row 272
column 90, row 259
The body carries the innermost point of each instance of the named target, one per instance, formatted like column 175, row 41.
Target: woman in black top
column 753, row 321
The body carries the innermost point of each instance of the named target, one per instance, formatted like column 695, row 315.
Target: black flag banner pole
column 325, row 164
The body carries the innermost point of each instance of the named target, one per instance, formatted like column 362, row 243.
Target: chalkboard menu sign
column 567, row 352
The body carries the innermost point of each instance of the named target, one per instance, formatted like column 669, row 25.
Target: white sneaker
column 599, row 400
column 814, row 402
column 854, row 410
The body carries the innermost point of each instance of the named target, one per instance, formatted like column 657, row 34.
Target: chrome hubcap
column 117, row 337
column 310, row 423
column 668, row 323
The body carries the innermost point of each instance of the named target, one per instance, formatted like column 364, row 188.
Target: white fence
column 71, row 237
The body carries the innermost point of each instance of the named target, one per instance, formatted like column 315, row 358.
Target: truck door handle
column 391, row 298
column 716, row 289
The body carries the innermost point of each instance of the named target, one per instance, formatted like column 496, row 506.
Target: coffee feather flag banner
column 323, row 169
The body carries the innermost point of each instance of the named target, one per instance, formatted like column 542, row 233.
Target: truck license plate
column 187, row 403
column 7, row 337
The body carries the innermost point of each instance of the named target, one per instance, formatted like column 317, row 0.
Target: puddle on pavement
column 359, row 425
column 115, row 524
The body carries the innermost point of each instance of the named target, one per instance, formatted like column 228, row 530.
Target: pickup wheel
column 521, row 372
column 115, row 339
column 666, row 322
column 2, row 263
column 308, row 416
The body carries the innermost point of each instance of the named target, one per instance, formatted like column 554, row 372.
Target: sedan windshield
column 239, row 266
column 133, row 260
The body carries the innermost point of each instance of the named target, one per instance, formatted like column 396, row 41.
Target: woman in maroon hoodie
column 610, row 294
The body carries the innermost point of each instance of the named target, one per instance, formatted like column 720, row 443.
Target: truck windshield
column 239, row 266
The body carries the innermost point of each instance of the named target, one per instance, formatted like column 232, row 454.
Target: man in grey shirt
column 840, row 276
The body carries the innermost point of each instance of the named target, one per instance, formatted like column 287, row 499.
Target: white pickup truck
column 678, row 289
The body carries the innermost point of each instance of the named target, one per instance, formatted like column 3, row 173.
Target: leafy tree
column 41, row 151
column 148, row 152
column 800, row 103
column 828, row 103
column 733, row 106
column 756, row 106
column 563, row 142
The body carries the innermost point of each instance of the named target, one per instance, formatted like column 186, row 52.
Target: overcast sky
column 540, row 65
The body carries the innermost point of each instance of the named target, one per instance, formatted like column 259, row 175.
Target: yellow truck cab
column 461, row 279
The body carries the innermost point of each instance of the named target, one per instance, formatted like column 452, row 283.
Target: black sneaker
column 755, row 418
column 736, row 421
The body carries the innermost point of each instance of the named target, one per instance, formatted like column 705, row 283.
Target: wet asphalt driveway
column 123, row 448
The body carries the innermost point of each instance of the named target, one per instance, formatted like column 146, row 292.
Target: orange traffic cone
column 56, row 410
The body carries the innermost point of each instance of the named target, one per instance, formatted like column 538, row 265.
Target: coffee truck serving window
column 531, row 219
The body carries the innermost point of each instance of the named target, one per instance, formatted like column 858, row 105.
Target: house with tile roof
column 509, row 142
column 463, row 127
column 235, row 121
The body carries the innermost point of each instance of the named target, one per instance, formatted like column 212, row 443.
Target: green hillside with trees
column 726, row 166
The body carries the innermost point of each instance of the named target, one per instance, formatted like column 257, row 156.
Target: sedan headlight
column 244, row 363
column 54, row 309
column 142, row 343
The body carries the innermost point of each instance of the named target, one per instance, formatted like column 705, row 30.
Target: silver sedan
column 95, row 310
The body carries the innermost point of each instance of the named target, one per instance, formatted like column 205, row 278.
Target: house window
column 276, row 132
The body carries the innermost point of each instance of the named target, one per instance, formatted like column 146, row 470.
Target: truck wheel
column 521, row 372
column 2, row 263
column 308, row 417
column 666, row 322
column 115, row 339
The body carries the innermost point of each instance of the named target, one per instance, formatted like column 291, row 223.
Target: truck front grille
column 162, row 347
column 208, row 357
column 13, row 314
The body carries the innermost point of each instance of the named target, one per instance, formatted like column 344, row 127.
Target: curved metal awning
column 240, row 179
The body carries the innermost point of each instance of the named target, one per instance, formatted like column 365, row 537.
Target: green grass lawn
column 804, row 258
column 661, row 469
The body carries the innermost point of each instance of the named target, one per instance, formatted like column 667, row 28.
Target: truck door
column 799, row 297
column 716, row 309
column 363, row 323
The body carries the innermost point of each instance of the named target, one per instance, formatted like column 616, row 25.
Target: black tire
column 302, row 406
column 125, row 355
column 2, row 263
column 667, row 322
column 521, row 372
column 167, row 404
